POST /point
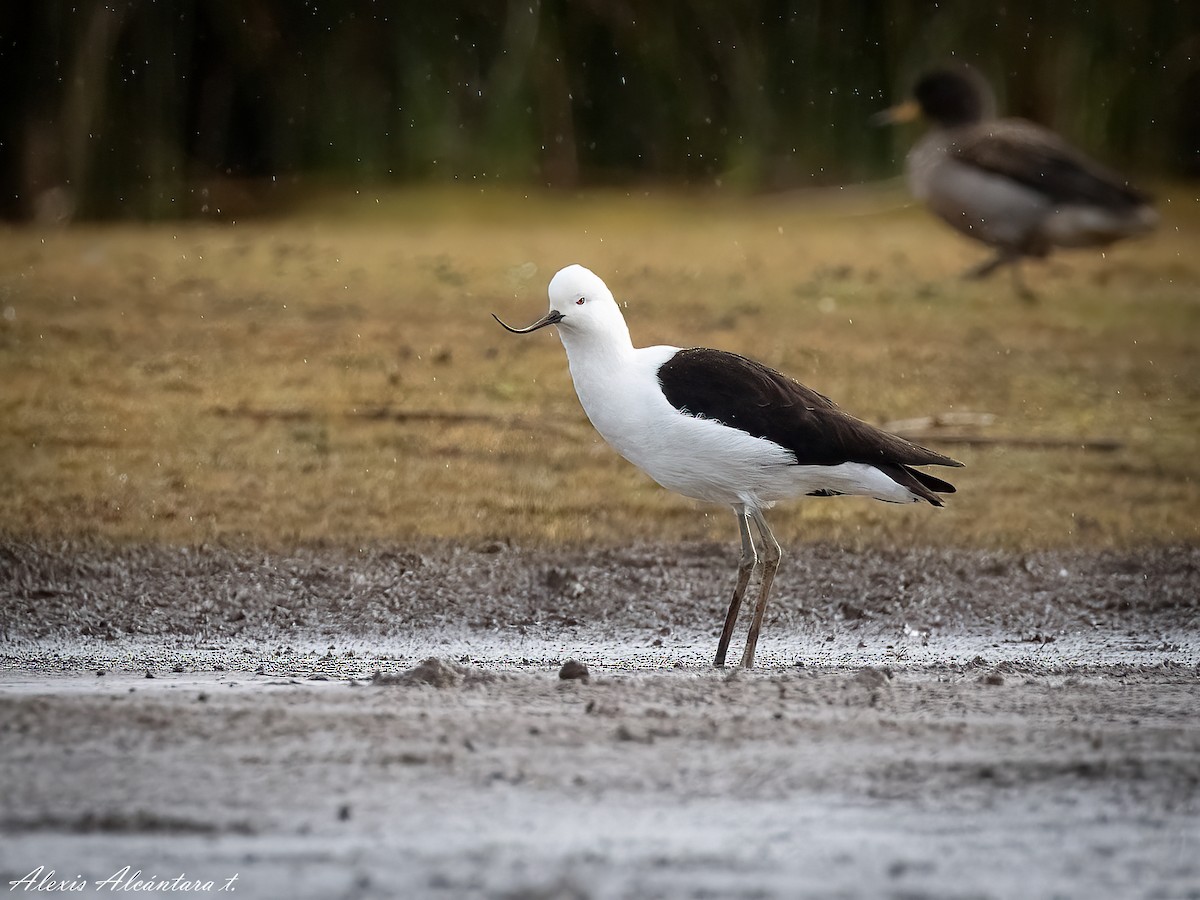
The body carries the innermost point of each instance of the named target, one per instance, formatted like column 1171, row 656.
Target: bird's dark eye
column 579, row 302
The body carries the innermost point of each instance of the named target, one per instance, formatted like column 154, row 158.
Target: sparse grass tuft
column 336, row 377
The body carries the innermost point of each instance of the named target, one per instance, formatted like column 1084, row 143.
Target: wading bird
column 720, row 428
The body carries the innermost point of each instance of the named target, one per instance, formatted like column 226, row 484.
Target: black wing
column 1039, row 158
column 762, row 402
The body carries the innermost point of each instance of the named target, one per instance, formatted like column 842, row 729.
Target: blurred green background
column 139, row 108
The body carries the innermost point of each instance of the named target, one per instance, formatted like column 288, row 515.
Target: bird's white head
column 582, row 307
column 584, row 301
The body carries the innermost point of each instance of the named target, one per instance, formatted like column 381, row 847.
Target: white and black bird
column 721, row 428
column 1010, row 183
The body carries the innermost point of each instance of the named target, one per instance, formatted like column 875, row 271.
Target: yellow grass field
column 335, row 375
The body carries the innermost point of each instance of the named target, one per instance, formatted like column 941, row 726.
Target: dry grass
column 335, row 376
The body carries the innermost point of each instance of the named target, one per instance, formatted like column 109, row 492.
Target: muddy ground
column 923, row 724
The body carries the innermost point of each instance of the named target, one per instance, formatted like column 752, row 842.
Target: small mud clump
column 573, row 670
column 436, row 673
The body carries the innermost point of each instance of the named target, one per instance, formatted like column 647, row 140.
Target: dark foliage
column 144, row 108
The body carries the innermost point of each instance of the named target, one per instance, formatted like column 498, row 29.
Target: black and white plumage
column 724, row 429
column 1010, row 183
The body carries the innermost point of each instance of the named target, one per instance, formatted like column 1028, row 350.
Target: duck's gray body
column 1010, row 183
column 1019, row 188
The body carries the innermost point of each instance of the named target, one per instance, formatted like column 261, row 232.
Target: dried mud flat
column 383, row 723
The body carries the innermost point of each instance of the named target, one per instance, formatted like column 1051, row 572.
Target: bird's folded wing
column 1040, row 159
column 754, row 398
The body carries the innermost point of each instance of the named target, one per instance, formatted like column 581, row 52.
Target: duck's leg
column 770, row 563
column 988, row 266
column 1006, row 257
column 1019, row 285
column 746, row 566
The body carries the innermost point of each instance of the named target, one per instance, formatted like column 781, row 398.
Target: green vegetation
column 161, row 110
column 336, row 376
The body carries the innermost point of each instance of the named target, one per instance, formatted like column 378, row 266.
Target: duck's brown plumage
column 1038, row 158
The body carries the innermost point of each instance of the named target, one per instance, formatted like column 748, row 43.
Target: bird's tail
column 922, row 484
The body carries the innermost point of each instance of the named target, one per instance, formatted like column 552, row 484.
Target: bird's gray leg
column 1010, row 258
column 988, row 266
column 746, row 566
column 770, row 562
column 1019, row 285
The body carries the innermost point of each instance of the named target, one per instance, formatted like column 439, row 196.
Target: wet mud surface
column 923, row 723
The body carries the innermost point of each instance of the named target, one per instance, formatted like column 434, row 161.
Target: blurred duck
column 1009, row 183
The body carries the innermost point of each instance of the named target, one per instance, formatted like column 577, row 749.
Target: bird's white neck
column 601, row 366
column 598, row 350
